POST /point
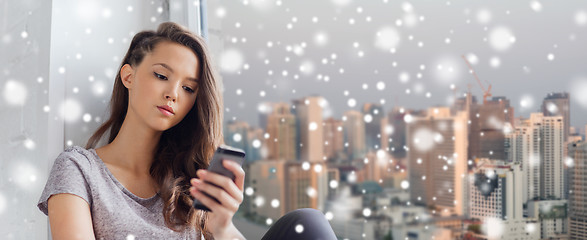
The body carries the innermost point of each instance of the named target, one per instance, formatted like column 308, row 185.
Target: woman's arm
column 70, row 217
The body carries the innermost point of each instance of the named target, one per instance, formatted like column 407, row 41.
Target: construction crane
column 486, row 93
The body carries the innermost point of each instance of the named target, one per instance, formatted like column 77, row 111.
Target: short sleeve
column 68, row 175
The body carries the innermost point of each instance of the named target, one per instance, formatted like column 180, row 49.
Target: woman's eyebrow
column 165, row 66
column 171, row 70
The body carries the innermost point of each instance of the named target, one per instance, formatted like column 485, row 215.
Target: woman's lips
column 165, row 111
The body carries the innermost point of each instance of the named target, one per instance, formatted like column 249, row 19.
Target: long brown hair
column 190, row 144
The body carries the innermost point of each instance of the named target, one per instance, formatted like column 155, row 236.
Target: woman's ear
column 127, row 75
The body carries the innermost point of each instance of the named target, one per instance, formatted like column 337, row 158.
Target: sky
column 399, row 53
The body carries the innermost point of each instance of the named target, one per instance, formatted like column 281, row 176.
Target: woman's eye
column 162, row 77
column 188, row 89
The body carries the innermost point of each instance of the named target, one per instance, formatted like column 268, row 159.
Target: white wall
column 24, row 58
column 67, row 56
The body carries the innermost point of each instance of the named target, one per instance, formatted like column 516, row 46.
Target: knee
column 306, row 215
column 305, row 223
column 306, row 212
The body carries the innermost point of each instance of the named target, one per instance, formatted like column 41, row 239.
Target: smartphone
column 225, row 153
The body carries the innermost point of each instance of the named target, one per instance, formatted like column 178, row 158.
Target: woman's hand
column 230, row 195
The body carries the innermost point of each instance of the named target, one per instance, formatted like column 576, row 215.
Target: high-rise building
column 492, row 117
column 573, row 138
column 235, row 134
column 394, row 132
column 281, row 127
column 552, row 167
column 495, row 200
column 306, row 185
column 240, row 135
column 578, row 191
column 486, row 129
column 333, row 138
column 255, row 149
column 354, row 134
column 523, row 147
column 267, row 178
column 378, row 168
column 557, row 104
column 333, row 178
column 494, row 192
column 308, row 112
column 437, row 159
column 552, row 216
column 538, row 144
column 372, row 115
column 280, row 186
column 264, row 109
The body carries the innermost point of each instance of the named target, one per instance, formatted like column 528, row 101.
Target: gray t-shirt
column 116, row 212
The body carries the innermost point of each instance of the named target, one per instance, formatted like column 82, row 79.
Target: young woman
column 165, row 124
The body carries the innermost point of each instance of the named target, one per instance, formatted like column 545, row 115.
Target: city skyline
column 463, row 167
column 265, row 107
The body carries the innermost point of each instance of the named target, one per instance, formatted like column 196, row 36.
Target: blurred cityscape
column 467, row 171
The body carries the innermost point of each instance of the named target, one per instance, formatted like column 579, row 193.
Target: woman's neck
column 135, row 146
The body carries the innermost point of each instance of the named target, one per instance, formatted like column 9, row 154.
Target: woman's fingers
column 238, row 171
column 225, row 199
column 228, row 193
column 224, row 182
column 206, row 200
column 223, row 196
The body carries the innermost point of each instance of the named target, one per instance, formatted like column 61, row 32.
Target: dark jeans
column 305, row 223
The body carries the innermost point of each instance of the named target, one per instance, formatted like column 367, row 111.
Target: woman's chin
column 161, row 126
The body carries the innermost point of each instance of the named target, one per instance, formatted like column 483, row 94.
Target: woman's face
column 163, row 87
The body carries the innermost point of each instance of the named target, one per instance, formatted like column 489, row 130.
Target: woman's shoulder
column 84, row 158
column 73, row 172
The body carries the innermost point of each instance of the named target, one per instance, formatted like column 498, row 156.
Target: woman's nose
column 170, row 98
column 172, row 92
